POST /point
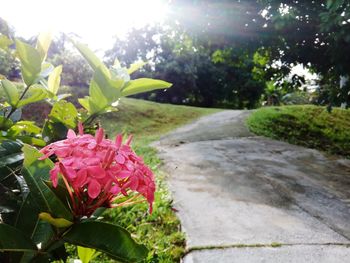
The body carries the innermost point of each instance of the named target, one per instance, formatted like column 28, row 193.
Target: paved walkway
column 244, row 198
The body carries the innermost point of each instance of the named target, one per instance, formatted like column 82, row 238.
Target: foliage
column 75, row 70
column 243, row 80
column 285, row 33
column 39, row 218
column 296, row 98
column 313, row 33
column 8, row 64
column 309, row 126
column 198, row 76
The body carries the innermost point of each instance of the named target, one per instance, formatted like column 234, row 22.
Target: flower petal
column 81, row 178
column 92, row 145
column 54, row 175
column 70, row 173
column 80, row 128
column 115, row 190
column 99, row 135
column 118, row 140
column 94, row 188
column 63, row 151
column 96, row 171
column 128, row 141
column 120, row 158
column 123, row 174
column 92, row 161
column 71, row 134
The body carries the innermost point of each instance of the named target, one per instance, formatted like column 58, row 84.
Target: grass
column 307, row 125
column 147, row 121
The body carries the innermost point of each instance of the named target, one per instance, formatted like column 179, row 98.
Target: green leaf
column 27, row 215
column 8, row 147
column 92, row 106
column 10, row 185
column 11, row 92
column 9, row 203
column 11, row 159
column 5, row 123
column 135, row 66
column 14, row 240
column 30, row 62
column 60, row 191
column 63, row 96
column 85, row 103
column 64, row 112
column 28, row 127
column 54, row 131
column 5, row 42
column 54, row 80
column 113, row 240
column 59, row 254
column 86, row 254
column 35, row 172
column 43, row 233
column 57, row 222
column 95, row 106
column 103, row 92
column 43, row 44
column 96, row 93
column 110, row 89
column 31, row 140
column 91, row 58
column 29, row 223
column 46, row 69
column 143, row 85
column 36, row 93
column 120, row 74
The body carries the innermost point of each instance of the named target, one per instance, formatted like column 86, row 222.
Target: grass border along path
column 147, row 121
column 307, row 125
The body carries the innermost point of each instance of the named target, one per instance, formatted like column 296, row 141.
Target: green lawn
column 160, row 231
column 307, row 125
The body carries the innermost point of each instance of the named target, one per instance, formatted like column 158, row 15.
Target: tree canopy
column 233, row 53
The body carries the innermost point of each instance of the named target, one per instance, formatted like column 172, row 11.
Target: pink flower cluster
column 96, row 170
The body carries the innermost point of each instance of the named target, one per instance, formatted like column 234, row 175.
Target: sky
column 97, row 22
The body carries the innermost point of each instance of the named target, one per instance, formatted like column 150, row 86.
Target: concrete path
column 244, row 198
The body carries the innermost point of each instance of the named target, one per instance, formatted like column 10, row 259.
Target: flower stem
column 70, row 193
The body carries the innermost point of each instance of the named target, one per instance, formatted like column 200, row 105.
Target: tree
column 314, row 33
column 9, row 66
column 76, row 72
column 188, row 63
column 295, row 31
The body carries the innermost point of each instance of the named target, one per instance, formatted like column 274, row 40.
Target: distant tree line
column 231, row 53
column 224, row 53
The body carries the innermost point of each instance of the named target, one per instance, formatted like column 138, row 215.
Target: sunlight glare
column 97, row 22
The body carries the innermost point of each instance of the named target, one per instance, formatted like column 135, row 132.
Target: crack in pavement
column 272, row 245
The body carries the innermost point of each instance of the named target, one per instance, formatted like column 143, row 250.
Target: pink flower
column 96, row 170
